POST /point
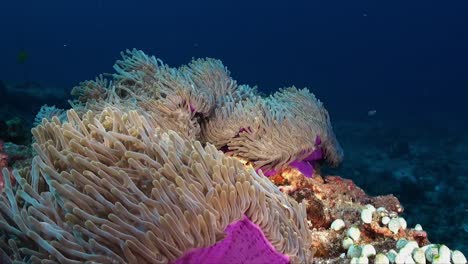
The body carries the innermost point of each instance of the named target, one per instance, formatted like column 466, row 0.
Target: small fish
column 372, row 112
column 22, row 56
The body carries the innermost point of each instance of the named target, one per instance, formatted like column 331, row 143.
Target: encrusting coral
column 138, row 174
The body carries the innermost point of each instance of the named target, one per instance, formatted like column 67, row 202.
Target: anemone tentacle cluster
column 145, row 169
column 201, row 101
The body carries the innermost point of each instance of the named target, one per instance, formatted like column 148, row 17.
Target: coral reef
column 183, row 165
column 131, row 177
column 349, row 226
column 428, row 176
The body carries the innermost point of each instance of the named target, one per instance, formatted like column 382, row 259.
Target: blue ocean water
column 405, row 60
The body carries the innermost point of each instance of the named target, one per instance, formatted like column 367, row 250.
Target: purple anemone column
column 244, row 244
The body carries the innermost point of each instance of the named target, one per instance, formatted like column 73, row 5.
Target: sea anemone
column 163, row 165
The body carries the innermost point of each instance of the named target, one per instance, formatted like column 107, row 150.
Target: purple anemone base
column 244, row 243
column 306, row 166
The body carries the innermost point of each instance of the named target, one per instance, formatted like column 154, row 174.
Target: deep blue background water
column 406, row 59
